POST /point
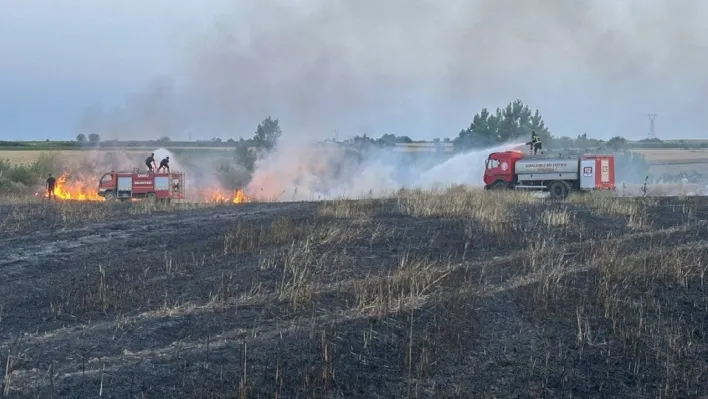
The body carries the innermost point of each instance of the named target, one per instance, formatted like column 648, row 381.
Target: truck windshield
column 492, row 163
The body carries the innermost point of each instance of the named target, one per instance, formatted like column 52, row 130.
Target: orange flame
column 216, row 197
column 238, row 197
column 84, row 188
column 80, row 189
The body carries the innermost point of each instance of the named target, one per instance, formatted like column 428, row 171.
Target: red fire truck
column 163, row 186
column 558, row 175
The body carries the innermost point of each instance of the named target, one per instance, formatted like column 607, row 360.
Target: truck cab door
column 491, row 170
column 106, row 183
column 498, row 166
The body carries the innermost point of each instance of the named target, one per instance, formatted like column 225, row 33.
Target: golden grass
column 556, row 218
column 488, row 207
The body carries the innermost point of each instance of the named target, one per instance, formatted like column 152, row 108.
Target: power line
column 652, row 132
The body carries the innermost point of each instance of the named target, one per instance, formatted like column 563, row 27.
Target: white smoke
column 305, row 172
column 201, row 175
column 162, row 153
column 466, row 168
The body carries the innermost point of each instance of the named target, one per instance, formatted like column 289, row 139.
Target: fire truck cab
column 120, row 185
column 499, row 172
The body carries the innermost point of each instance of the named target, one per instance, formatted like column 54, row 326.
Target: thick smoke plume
column 423, row 67
column 323, row 172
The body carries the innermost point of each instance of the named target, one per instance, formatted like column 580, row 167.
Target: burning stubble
column 79, row 177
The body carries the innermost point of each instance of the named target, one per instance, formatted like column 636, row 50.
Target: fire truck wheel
column 558, row 190
column 499, row 185
column 109, row 196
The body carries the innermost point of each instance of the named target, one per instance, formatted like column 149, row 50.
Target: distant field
column 678, row 168
column 26, row 157
column 654, row 156
column 29, row 156
column 675, row 155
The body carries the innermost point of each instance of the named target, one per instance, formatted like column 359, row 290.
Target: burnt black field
column 453, row 295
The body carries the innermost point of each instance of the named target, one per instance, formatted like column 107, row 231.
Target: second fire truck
column 120, row 185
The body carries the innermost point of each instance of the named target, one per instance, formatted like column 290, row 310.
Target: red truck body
column 558, row 174
column 136, row 184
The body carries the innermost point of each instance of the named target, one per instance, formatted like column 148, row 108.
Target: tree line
column 487, row 128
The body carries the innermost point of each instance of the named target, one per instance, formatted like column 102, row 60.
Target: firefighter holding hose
column 164, row 164
column 535, row 143
column 150, row 161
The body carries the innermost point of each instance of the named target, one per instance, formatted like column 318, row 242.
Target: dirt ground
column 453, row 294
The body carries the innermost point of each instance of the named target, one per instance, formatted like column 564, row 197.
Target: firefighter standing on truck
column 164, row 164
column 51, row 183
column 535, row 142
column 150, row 161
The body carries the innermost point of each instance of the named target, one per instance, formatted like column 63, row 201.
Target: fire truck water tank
column 548, row 165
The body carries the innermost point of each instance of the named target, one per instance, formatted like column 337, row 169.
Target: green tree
column 81, row 138
column 266, row 137
column 387, row 140
column 268, row 133
column 390, row 140
column 617, row 143
column 584, row 141
column 363, row 142
column 513, row 122
column 94, row 138
column 244, row 155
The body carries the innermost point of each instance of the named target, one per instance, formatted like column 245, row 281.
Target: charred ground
column 458, row 293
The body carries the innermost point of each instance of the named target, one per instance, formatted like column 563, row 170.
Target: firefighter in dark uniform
column 51, row 183
column 535, row 142
column 165, row 164
column 150, row 161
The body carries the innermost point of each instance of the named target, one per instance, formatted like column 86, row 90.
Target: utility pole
column 652, row 132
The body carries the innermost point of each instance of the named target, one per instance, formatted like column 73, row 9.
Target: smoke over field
column 295, row 172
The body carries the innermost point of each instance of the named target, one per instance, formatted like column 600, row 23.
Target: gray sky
column 137, row 69
column 60, row 57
